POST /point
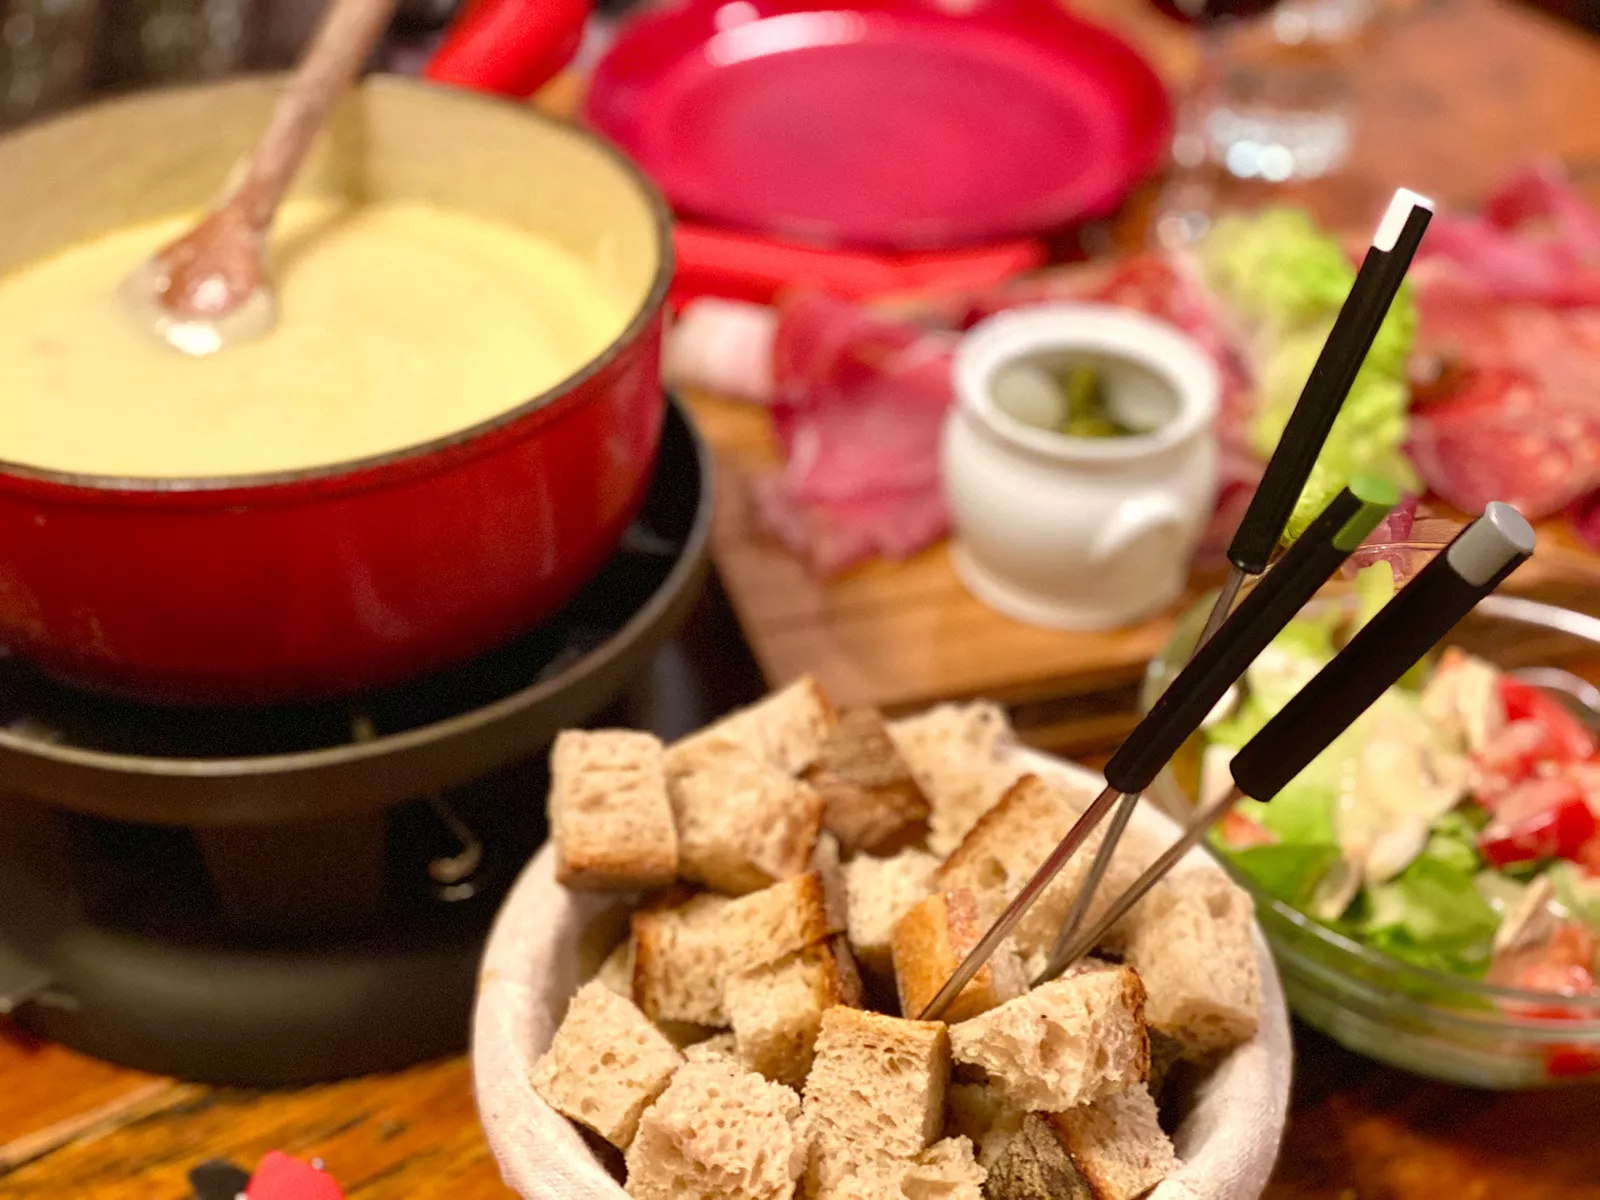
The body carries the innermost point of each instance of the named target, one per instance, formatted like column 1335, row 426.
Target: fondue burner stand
column 287, row 895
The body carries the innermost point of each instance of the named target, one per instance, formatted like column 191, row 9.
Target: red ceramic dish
column 352, row 575
column 888, row 124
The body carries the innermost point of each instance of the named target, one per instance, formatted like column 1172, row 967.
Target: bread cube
column 718, row 1132
column 881, row 891
column 776, row 1010
column 605, row 1064
column 932, row 940
column 610, row 822
column 1067, row 1042
column 876, row 1091
column 871, row 802
column 743, row 824
column 1191, row 942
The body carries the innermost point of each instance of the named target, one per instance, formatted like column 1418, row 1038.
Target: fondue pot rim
column 549, row 399
column 189, row 781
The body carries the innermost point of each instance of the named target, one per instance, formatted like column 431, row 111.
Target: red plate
column 889, row 124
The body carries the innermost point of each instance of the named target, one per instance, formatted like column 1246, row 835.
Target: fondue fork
column 209, row 289
column 1379, row 654
column 1394, row 245
column 1338, row 529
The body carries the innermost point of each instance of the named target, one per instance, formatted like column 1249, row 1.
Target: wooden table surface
column 1454, row 97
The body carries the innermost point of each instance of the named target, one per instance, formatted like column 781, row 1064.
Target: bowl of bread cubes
column 706, row 985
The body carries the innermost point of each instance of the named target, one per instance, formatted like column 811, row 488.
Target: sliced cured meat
column 859, row 401
column 858, row 408
column 1535, row 240
column 1503, row 437
column 833, row 537
column 1510, row 333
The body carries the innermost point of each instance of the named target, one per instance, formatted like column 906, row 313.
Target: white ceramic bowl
column 1069, row 532
column 1227, row 1141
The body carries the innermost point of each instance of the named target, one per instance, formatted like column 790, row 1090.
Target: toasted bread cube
column 605, row 1064
column 946, row 1170
column 881, row 891
column 610, row 822
column 677, row 961
column 961, row 756
column 871, row 802
column 743, row 824
column 932, row 940
column 1113, row 1149
column 718, row 1045
column 786, row 729
column 1067, row 1042
column 1117, row 1144
column 876, row 1091
column 718, row 1132
column 765, row 926
column 1001, row 852
column 1191, row 942
column 776, row 1010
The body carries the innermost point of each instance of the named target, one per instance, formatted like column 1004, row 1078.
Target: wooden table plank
column 388, row 1137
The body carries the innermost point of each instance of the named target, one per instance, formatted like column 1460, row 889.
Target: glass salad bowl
column 1448, row 1026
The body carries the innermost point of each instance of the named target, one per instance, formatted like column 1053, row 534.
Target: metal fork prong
column 1152, row 876
column 1220, row 610
column 1220, row 607
column 1048, row 870
column 1126, row 803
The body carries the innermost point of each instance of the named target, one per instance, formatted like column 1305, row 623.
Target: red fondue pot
column 353, row 575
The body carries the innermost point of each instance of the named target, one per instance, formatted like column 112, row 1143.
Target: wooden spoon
column 209, row 289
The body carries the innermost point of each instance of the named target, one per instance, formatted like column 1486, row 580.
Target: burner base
column 268, row 1018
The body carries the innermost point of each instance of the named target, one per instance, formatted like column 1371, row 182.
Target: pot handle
column 511, row 47
column 1134, row 518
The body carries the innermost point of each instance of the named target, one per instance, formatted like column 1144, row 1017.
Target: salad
column 1454, row 826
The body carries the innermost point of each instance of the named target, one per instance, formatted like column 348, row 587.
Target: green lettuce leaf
column 1453, row 843
column 1276, row 266
column 1302, row 813
column 1374, row 589
column 1578, row 892
column 1432, row 915
column 1287, row 873
column 1246, row 721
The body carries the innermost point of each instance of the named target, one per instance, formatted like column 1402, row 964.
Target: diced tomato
column 1553, row 831
column 1562, row 966
column 1573, row 944
column 1534, row 796
column 1511, row 756
column 1588, row 856
column 1566, row 737
column 1242, row 832
column 1572, row 1062
column 1558, row 979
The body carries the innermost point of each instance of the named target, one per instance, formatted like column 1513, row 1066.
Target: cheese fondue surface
column 397, row 323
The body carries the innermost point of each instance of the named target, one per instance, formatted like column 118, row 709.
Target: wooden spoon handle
column 338, row 50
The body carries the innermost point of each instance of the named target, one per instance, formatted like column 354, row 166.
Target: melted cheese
column 397, row 323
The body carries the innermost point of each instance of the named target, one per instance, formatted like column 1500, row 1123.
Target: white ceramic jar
column 1076, row 532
